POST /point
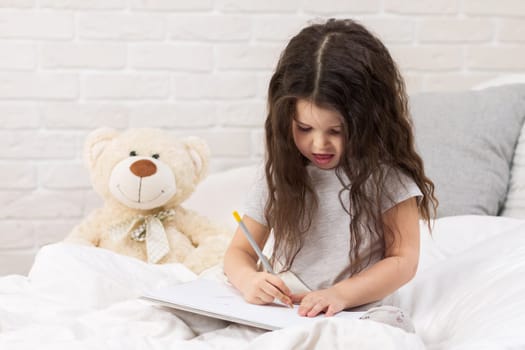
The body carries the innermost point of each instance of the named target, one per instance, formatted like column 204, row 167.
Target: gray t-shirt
column 324, row 257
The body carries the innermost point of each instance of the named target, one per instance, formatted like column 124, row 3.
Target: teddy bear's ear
column 95, row 143
column 199, row 152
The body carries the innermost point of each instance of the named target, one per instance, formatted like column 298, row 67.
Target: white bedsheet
column 469, row 293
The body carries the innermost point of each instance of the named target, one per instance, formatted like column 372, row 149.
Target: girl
column 344, row 187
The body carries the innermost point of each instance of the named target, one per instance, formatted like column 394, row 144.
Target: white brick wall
column 196, row 67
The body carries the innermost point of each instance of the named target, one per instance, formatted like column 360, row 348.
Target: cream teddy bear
column 143, row 176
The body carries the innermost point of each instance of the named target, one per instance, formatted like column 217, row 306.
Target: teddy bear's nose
column 143, row 168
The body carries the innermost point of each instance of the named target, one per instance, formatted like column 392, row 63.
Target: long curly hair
column 339, row 65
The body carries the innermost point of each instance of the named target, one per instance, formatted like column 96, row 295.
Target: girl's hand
column 264, row 288
column 325, row 300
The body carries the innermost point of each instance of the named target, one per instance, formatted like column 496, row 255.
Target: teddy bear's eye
column 132, row 153
column 156, row 156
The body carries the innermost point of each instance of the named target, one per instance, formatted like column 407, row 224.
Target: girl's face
column 318, row 134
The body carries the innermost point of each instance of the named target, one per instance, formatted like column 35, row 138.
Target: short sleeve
column 398, row 187
column 256, row 198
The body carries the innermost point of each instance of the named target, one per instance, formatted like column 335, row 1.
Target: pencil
column 259, row 253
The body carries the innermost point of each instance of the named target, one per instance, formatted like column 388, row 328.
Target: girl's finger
column 316, row 309
column 278, row 294
column 298, row 298
column 305, row 307
column 275, row 293
column 279, row 283
column 265, row 298
column 330, row 311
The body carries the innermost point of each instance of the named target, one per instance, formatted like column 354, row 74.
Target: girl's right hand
column 264, row 288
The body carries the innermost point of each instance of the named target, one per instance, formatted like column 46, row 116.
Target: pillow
column 467, row 141
column 514, row 205
column 217, row 196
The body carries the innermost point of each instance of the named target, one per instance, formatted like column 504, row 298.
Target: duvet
column 469, row 293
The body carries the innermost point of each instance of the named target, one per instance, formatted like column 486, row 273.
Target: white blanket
column 468, row 294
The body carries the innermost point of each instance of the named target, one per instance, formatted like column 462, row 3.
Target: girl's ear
column 95, row 144
column 199, row 153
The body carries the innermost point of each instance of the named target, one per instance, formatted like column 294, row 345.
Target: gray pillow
column 467, row 141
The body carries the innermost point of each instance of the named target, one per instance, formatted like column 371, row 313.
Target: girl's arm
column 381, row 279
column 240, row 266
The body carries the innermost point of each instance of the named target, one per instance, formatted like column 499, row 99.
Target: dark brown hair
column 339, row 65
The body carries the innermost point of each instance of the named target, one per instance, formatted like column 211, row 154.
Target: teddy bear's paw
column 204, row 257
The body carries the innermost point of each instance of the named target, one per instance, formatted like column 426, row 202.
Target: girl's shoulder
column 396, row 187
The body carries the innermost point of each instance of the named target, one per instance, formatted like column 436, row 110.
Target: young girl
column 344, row 188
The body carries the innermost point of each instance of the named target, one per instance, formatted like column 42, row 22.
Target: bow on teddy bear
column 143, row 176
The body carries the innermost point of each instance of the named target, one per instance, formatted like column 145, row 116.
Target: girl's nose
column 319, row 141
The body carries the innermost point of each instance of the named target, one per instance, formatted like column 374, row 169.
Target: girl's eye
column 132, row 154
column 303, row 128
column 335, row 132
column 156, row 156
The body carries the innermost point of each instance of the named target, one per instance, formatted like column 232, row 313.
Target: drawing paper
column 220, row 300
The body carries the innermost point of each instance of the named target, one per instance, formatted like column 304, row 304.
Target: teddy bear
column 143, row 176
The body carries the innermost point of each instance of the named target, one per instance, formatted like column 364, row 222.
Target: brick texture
column 194, row 68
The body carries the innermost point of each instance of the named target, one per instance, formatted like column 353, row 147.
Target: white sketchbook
column 218, row 300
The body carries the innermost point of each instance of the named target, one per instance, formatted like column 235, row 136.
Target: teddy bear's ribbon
column 148, row 228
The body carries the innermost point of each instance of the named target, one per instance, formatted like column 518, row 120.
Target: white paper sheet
column 219, row 300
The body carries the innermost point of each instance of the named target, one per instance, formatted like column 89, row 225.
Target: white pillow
column 217, row 196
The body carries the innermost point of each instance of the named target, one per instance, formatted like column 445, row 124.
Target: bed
column 468, row 292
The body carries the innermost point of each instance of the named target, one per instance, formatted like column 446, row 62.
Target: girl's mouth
column 323, row 159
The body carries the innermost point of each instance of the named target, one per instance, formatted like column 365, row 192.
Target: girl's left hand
column 325, row 300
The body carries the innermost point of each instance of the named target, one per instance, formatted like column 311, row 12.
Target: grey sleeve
column 397, row 188
column 256, row 197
